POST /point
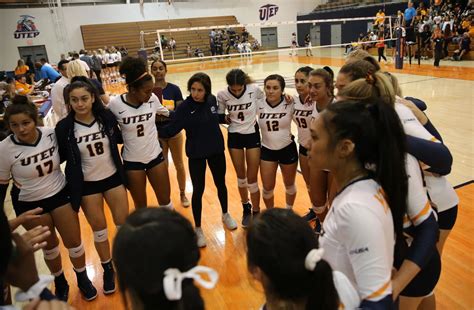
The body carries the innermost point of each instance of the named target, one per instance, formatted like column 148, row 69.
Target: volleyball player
column 30, row 156
column 423, row 143
column 204, row 146
column 302, row 116
column 156, row 256
column 321, row 94
column 418, row 266
column 358, row 232
column 278, row 149
column 283, row 255
column 170, row 96
column 142, row 156
column 240, row 100
column 87, row 140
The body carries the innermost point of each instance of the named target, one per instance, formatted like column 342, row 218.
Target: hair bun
column 21, row 99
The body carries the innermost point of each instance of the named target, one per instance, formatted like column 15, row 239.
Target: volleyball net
column 231, row 42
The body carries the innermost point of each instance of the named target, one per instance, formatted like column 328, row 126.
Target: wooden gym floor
column 449, row 93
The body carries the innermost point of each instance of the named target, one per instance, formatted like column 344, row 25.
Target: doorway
column 335, row 34
column 269, row 37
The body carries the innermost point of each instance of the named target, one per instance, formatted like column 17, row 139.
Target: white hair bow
column 174, row 278
column 312, row 258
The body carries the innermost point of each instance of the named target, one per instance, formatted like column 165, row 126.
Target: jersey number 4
column 48, row 166
column 272, row 125
column 98, row 149
column 241, row 116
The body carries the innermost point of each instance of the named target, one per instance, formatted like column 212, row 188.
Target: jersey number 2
column 140, row 130
column 272, row 125
column 48, row 166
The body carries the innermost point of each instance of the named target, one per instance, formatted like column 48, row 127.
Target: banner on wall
column 26, row 28
column 268, row 10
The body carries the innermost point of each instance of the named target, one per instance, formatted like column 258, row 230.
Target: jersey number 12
column 272, row 125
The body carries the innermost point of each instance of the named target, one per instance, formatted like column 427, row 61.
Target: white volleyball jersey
column 108, row 59
column 440, row 190
column 315, row 109
column 34, row 168
column 302, row 116
column 348, row 296
column 358, row 238
column 96, row 158
column 410, row 123
column 242, row 110
column 442, row 193
column 137, row 123
column 275, row 124
column 418, row 205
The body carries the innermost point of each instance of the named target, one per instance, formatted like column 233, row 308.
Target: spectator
column 379, row 19
column 425, row 38
column 21, row 68
column 448, row 36
column 189, row 51
column 76, row 56
column 57, row 92
column 381, row 47
column 172, row 44
column 96, row 65
column 409, row 20
column 47, row 73
column 198, row 52
column 438, row 40
column 212, row 34
column 245, row 34
column 86, row 57
column 21, row 87
column 31, row 72
column 75, row 68
column 7, row 92
column 307, row 44
column 256, row 45
column 464, row 47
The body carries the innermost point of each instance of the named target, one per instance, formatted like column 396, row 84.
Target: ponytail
column 379, row 140
column 373, row 86
column 390, row 168
column 324, row 294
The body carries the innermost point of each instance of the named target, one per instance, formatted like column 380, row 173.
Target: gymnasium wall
column 246, row 11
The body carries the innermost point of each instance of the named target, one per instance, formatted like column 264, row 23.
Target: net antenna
column 159, row 32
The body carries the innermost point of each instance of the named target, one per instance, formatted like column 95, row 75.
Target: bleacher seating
column 128, row 34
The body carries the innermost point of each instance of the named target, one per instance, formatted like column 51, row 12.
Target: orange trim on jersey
column 341, row 306
column 380, row 196
column 425, row 211
column 4, row 181
column 380, row 291
column 433, row 139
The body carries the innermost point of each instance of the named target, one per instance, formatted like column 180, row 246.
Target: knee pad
column 168, row 206
column 76, row 252
column 291, row 190
column 101, row 235
column 242, row 183
column 51, row 253
column 267, row 194
column 253, row 188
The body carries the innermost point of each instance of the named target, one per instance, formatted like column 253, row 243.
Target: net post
column 160, row 46
column 390, row 25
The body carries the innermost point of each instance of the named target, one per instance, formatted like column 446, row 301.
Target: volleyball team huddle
column 373, row 164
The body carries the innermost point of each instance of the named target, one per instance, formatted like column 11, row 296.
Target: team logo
column 26, row 28
column 267, row 11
